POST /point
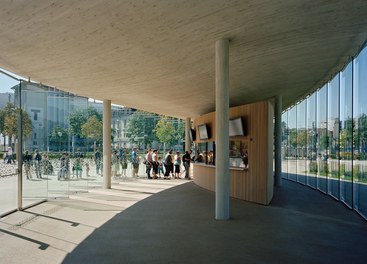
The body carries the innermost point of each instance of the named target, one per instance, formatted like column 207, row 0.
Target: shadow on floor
column 177, row 225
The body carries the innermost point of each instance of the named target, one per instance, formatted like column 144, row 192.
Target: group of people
column 42, row 165
column 169, row 167
column 77, row 166
column 35, row 160
column 119, row 159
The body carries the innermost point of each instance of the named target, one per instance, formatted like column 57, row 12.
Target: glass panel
column 33, row 101
column 322, row 138
column 238, row 153
column 57, row 161
column 333, row 131
column 201, row 153
column 311, row 141
column 360, row 136
column 285, row 145
column 8, row 164
column 83, row 126
column 292, row 144
column 211, row 153
column 301, row 142
column 346, row 135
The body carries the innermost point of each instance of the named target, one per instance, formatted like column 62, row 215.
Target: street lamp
column 60, row 135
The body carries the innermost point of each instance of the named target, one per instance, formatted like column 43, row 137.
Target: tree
column 80, row 117
column 93, row 129
column 140, row 127
column 59, row 136
column 179, row 130
column 164, row 131
column 10, row 121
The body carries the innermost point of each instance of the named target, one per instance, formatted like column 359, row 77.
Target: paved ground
column 38, row 189
column 149, row 222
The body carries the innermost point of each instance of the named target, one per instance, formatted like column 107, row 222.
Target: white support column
column 187, row 135
column 222, row 177
column 278, row 141
column 107, row 144
column 19, row 150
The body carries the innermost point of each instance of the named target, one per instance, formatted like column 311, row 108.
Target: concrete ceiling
column 158, row 56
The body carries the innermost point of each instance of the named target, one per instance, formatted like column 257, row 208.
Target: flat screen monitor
column 236, row 127
column 203, row 131
column 192, row 134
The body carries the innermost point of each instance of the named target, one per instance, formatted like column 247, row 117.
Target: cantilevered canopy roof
column 159, row 55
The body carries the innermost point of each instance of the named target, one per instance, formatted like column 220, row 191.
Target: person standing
column 155, row 163
column 10, row 156
column 160, row 167
column 78, row 166
column 98, row 161
column 64, row 168
column 135, row 162
column 148, row 163
column 177, row 163
column 168, row 164
column 37, row 158
column 186, row 161
column 123, row 161
column 27, row 160
column 115, row 164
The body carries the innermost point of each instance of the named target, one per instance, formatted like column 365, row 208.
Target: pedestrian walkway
column 173, row 222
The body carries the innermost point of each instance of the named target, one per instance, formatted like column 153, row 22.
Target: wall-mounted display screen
column 236, row 127
column 192, row 134
column 203, row 132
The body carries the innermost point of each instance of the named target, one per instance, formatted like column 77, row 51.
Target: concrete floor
column 150, row 222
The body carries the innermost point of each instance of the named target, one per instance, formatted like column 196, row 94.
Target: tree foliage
column 59, row 136
column 9, row 117
column 80, row 117
column 93, row 129
column 164, row 131
column 179, row 130
column 140, row 127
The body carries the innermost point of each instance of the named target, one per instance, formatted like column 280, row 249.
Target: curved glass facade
column 53, row 129
column 324, row 141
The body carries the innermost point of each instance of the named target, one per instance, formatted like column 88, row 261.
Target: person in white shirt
column 177, row 163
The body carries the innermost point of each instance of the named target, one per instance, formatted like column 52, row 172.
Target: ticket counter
column 251, row 155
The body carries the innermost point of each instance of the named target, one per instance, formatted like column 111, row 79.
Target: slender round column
column 222, row 176
column 187, row 135
column 278, row 141
column 107, row 144
column 20, row 149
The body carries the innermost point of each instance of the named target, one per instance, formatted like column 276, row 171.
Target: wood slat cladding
column 256, row 183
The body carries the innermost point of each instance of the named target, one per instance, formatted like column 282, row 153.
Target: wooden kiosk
column 252, row 181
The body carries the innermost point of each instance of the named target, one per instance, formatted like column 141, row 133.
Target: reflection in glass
column 238, row 153
column 322, row 139
column 336, row 137
column 201, row 153
column 360, row 132
column 346, row 135
column 301, row 142
column 285, row 145
column 8, row 145
column 333, row 131
column 311, row 141
column 292, row 144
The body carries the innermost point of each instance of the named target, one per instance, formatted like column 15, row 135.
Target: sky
column 6, row 82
